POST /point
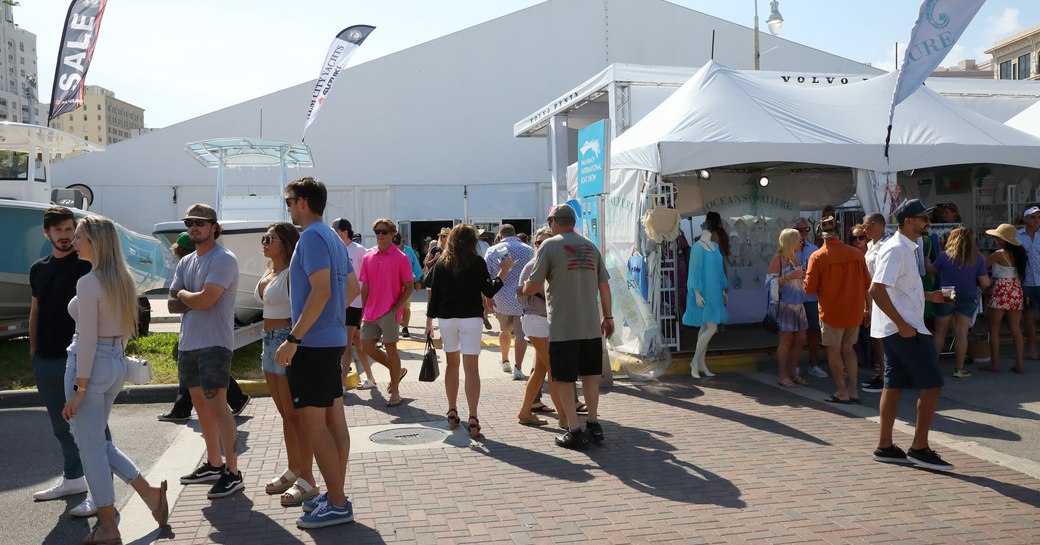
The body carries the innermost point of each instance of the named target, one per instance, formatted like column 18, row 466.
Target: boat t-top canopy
column 221, row 153
column 36, row 138
column 250, row 152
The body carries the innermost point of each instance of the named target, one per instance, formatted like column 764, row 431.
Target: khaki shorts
column 384, row 328
column 838, row 336
column 511, row 324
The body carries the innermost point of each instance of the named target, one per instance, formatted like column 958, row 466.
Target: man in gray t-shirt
column 203, row 292
column 572, row 270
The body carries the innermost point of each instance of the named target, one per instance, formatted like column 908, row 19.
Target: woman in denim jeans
column 105, row 309
column 296, row 483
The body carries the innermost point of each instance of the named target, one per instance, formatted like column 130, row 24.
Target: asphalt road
column 30, row 460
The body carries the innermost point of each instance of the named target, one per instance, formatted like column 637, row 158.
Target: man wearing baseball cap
column 203, row 292
column 1031, row 283
column 897, row 319
column 572, row 270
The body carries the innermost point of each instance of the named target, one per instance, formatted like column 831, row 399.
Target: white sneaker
column 506, row 366
column 518, row 374
column 366, row 385
column 85, row 509
column 818, row 372
column 62, row 487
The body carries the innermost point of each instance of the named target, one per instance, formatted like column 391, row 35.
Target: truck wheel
column 144, row 316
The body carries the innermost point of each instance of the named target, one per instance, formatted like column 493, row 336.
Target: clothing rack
column 664, row 195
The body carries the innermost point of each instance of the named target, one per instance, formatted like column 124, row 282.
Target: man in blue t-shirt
column 321, row 284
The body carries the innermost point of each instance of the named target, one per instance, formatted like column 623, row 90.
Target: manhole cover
column 407, row 436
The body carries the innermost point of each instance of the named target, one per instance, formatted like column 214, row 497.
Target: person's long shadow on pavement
column 671, row 392
column 647, row 464
column 533, row 461
column 1028, row 496
column 227, row 527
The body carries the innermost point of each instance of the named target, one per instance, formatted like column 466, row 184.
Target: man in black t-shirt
column 53, row 281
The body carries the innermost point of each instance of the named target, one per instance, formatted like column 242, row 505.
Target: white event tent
column 1027, row 121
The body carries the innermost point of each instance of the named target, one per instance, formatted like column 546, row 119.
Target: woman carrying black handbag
column 457, row 281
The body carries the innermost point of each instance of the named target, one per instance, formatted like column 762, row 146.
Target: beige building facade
column 103, row 119
column 1016, row 57
column 17, row 70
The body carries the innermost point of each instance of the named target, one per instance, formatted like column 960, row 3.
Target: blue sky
column 222, row 52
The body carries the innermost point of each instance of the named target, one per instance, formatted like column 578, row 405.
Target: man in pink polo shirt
column 386, row 283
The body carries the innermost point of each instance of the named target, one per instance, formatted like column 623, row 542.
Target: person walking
column 321, row 281
column 357, row 253
column 877, row 234
column 962, row 267
column 296, row 483
column 786, row 273
column 53, row 282
column 910, row 358
column 536, row 326
column 571, row 269
column 182, row 406
column 386, row 284
column 837, row 274
column 105, row 310
column 457, row 282
column 203, row 293
column 507, row 309
column 1010, row 265
column 406, row 310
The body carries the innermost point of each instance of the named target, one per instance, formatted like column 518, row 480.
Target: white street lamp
column 774, row 21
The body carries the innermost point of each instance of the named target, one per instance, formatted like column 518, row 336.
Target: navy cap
column 342, row 224
column 910, row 208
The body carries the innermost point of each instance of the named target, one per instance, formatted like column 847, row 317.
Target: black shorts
column 314, row 376
column 569, row 360
column 353, row 317
column 911, row 363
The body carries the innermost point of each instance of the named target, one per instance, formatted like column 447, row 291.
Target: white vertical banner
column 343, row 47
column 939, row 25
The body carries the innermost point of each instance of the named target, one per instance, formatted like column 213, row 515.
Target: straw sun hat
column 1005, row 232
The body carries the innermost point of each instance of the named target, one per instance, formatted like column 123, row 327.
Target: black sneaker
column 405, row 333
column 873, row 386
column 575, row 439
column 174, row 417
column 891, row 455
column 595, row 432
column 928, row 458
column 204, row 473
column 227, row 485
column 235, row 411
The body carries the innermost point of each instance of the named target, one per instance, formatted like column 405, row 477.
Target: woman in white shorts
column 457, row 281
column 536, row 326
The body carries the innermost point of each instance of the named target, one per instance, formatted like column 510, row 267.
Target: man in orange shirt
column 837, row 272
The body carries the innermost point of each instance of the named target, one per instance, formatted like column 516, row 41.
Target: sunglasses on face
column 381, row 231
column 268, row 239
column 195, row 223
column 549, row 219
column 802, row 229
column 289, row 201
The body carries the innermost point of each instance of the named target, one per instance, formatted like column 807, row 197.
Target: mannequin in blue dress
column 706, row 298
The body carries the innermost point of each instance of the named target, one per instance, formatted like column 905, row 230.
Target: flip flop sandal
column 800, row 381
column 787, row 383
column 394, row 401
column 281, row 483
column 834, row 399
column 545, row 409
column 161, row 514
column 582, row 408
column 532, row 421
column 298, row 493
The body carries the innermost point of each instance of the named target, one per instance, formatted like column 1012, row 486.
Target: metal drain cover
column 408, row 436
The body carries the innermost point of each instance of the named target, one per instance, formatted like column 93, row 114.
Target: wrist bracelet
column 608, row 317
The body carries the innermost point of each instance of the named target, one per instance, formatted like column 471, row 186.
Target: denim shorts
column 272, row 340
column 209, row 368
column 964, row 304
column 911, row 363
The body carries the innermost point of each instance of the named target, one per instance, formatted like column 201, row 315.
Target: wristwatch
column 78, row 388
column 292, row 339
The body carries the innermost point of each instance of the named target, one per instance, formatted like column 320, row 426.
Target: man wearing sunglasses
column 386, row 285
column 810, row 302
column 203, row 291
column 321, row 283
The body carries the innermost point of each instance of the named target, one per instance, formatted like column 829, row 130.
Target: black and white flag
column 343, row 47
column 77, row 48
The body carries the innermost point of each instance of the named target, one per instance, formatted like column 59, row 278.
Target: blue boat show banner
column 592, row 159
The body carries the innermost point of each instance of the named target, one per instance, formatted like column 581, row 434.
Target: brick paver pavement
column 727, row 460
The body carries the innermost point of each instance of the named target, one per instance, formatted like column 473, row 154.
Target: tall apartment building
column 17, row 70
column 103, row 118
column 1016, row 57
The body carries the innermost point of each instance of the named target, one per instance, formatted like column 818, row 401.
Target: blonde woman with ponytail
column 105, row 310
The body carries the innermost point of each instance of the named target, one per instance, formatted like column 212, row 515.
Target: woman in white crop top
column 105, row 310
column 296, row 483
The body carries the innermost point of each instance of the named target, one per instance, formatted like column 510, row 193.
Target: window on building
column 23, row 73
column 99, row 107
column 84, row 117
column 1023, row 67
column 21, row 60
column 99, row 118
column 1005, row 70
column 21, row 47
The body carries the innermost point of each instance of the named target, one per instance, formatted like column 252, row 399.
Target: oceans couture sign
column 592, row 159
column 749, row 198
